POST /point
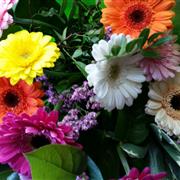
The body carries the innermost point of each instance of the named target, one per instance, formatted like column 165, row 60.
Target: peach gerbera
column 132, row 16
column 21, row 98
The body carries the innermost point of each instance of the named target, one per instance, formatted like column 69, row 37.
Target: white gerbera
column 164, row 104
column 115, row 77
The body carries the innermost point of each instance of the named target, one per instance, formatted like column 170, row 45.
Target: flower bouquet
column 89, row 90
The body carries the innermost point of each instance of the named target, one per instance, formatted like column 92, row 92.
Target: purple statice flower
column 88, row 121
column 50, row 92
column 134, row 174
column 79, row 122
column 83, row 176
column 108, row 33
column 82, row 95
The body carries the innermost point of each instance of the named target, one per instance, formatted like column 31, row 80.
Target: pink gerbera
column 134, row 174
column 24, row 133
column 164, row 67
column 5, row 17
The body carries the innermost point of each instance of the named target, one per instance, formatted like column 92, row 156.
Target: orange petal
column 165, row 5
column 163, row 15
column 154, row 2
column 158, row 27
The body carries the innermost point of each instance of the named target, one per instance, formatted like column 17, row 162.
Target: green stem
column 34, row 21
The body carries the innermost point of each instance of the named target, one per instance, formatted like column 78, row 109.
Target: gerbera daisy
column 164, row 104
column 165, row 66
column 132, row 16
column 115, row 77
column 134, row 174
column 21, row 98
column 23, row 55
column 24, row 133
column 5, row 17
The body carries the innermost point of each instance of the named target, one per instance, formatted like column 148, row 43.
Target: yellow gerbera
column 23, row 55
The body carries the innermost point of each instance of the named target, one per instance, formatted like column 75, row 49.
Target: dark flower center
column 11, row 99
column 39, row 141
column 175, row 102
column 137, row 16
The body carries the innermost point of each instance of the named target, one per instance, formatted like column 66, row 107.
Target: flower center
column 175, row 102
column 113, row 69
column 39, row 141
column 11, row 99
column 171, row 102
column 138, row 16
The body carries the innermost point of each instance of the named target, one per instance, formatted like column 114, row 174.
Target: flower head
column 5, row 17
column 23, row 55
column 21, row 98
column 114, row 76
column 164, row 104
column 134, row 174
column 23, row 133
column 165, row 66
column 132, row 16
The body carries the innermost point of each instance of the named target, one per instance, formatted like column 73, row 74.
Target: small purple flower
column 83, row 176
column 134, row 174
column 108, row 33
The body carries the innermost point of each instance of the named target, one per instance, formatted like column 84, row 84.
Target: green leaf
column 81, row 66
column 134, row 151
column 121, row 124
column 150, row 53
column 94, row 172
column 137, row 133
column 157, row 131
column 66, row 7
column 77, row 53
column 131, row 45
column 175, row 155
column 153, row 37
column 170, row 141
column 143, row 37
column 174, row 169
column 90, row 2
column 56, row 162
column 115, row 50
column 162, row 41
column 156, row 159
column 123, row 159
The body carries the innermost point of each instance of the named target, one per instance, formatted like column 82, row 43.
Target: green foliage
column 94, row 172
column 134, row 151
column 56, row 162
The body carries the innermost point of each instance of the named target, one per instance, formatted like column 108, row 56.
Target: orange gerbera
column 132, row 16
column 21, row 98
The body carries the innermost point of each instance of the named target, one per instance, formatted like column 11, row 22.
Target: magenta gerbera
column 134, row 174
column 164, row 66
column 24, row 133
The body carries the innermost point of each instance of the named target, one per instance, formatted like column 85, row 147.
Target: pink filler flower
column 164, row 67
column 5, row 17
column 24, row 133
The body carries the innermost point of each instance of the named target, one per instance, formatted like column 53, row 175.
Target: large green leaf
column 56, row 162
